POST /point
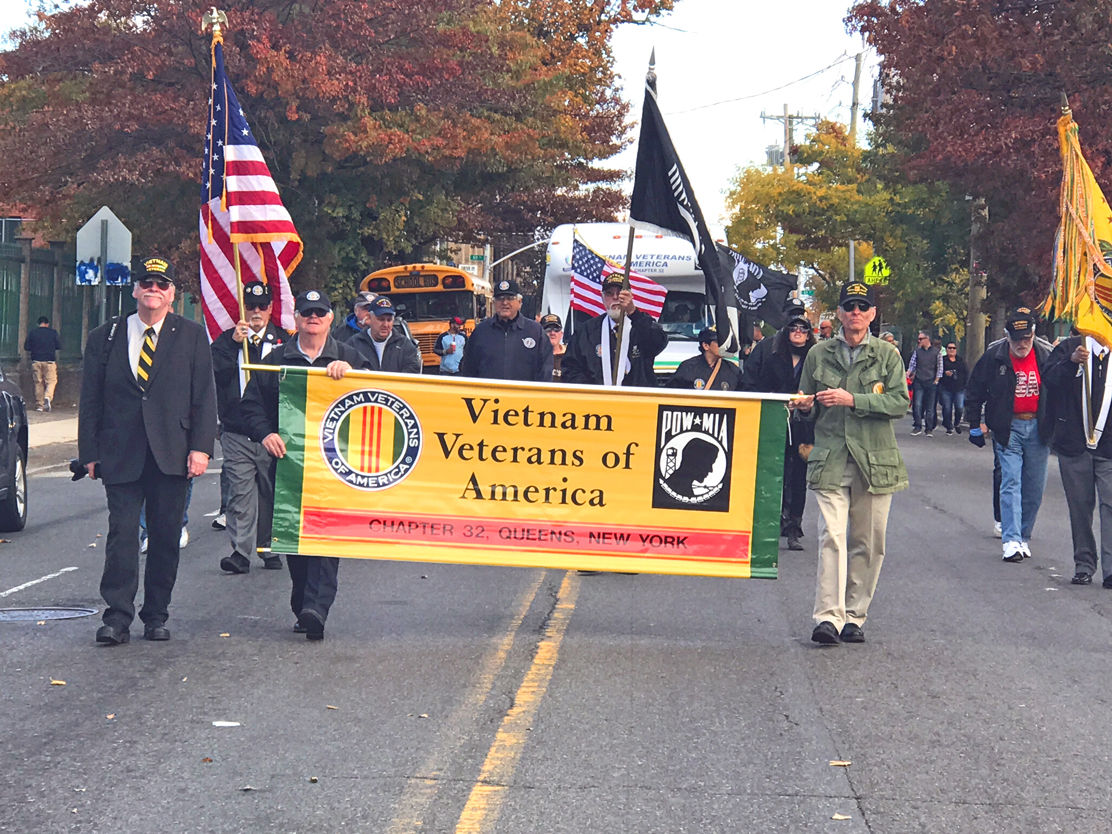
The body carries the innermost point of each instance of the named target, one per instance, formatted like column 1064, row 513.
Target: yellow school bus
column 427, row 296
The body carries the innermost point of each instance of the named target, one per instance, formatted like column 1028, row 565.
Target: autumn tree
column 838, row 192
column 388, row 125
column 972, row 92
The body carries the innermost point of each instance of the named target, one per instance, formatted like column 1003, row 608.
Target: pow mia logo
column 529, row 342
column 255, row 290
column 370, row 439
column 312, row 295
column 694, row 451
column 503, row 285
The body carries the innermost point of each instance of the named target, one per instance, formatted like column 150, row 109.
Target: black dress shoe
column 298, row 628
column 852, row 633
column 1107, row 583
column 1082, row 578
column 156, row 632
column 313, row 623
column 113, row 635
column 235, row 563
column 793, row 543
column 272, row 562
column 825, row 633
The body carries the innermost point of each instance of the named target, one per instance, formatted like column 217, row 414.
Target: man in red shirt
column 1007, row 383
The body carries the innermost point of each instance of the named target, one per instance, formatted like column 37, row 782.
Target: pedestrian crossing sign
column 877, row 271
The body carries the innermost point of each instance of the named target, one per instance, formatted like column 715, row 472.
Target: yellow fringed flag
column 1082, row 286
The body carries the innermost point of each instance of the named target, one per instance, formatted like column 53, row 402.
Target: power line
column 840, row 60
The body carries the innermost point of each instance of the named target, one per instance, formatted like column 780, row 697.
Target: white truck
column 664, row 256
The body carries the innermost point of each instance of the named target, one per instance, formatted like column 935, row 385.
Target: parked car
column 13, row 455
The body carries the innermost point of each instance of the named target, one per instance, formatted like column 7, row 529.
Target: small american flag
column 589, row 270
column 240, row 207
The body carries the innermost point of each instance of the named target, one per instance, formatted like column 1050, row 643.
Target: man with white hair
column 508, row 345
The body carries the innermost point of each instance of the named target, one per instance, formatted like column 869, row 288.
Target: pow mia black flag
column 662, row 196
column 761, row 292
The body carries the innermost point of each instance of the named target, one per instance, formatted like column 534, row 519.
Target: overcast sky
column 719, row 64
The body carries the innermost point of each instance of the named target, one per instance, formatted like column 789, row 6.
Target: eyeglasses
column 860, row 306
column 149, row 283
column 799, row 328
column 314, row 312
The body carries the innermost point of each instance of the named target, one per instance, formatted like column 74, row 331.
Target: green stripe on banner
column 765, row 547
column 292, row 392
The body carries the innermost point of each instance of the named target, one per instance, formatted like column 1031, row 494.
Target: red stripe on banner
column 511, row 534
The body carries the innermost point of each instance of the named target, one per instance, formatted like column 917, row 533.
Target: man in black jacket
column 147, row 423
column 1077, row 379
column 589, row 359
column 384, row 348
column 507, row 345
column 1007, row 385
column 709, row 370
column 248, row 471
column 314, row 578
column 775, row 366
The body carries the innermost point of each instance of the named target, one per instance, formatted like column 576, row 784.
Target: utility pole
column 975, row 323
column 855, row 106
column 789, row 119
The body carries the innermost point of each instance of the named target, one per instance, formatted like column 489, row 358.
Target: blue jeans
column 1022, row 478
column 923, row 413
column 185, row 518
column 953, row 404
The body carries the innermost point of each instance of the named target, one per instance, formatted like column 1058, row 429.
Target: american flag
column 240, row 207
column 589, row 270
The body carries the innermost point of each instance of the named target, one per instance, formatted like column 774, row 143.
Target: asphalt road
column 450, row 698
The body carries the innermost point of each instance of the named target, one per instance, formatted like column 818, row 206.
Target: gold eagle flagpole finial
column 215, row 19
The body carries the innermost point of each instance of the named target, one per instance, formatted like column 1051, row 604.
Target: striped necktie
column 146, row 357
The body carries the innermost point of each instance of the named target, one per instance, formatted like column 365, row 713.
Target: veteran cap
column 856, row 291
column 382, row 306
column 795, row 310
column 256, row 293
column 613, row 279
column 506, row 288
column 364, row 299
column 312, row 300
column 551, row 321
column 1020, row 322
column 708, row 336
column 155, row 267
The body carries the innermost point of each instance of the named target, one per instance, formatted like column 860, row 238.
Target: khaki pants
column 45, row 375
column 852, row 527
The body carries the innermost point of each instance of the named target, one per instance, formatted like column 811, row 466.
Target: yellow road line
column 421, row 789
column 485, row 802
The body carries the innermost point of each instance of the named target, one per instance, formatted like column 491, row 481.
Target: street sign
column 877, row 271
column 104, row 249
column 478, row 257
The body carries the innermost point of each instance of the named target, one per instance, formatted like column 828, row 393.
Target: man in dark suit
column 589, row 359
column 147, row 423
column 314, row 579
column 248, row 468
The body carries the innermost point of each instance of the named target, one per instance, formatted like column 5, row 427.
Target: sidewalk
column 57, row 426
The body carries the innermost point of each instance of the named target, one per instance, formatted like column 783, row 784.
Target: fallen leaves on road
column 41, row 622
column 92, row 544
column 329, row 706
column 841, row 817
column 225, row 634
column 839, row 763
column 110, row 716
column 55, row 682
column 313, row 779
column 247, row 788
column 207, row 760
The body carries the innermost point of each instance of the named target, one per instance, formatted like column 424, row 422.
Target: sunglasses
column 149, row 283
column 256, row 306
column 314, row 312
column 860, row 306
column 951, row 347
column 799, row 328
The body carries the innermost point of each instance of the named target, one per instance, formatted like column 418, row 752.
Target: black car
column 13, row 455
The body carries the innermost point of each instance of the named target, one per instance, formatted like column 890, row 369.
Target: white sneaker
column 184, row 540
column 142, row 544
column 1013, row 552
column 997, row 529
column 220, row 522
column 1025, row 549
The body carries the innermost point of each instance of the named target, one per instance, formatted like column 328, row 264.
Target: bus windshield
column 684, row 315
column 433, row 306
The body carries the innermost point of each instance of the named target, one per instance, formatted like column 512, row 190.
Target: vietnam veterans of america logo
column 370, row 439
column 694, row 453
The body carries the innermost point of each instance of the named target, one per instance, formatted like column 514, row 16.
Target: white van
column 664, row 256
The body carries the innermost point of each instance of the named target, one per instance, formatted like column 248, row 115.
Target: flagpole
column 217, row 19
column 619, row 326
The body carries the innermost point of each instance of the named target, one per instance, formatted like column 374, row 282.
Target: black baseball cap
column 708, row 336
column 551, row 321
column 155, row 267
column 506, row 287
column 382, row 306
column 1020, row 322
column 312, row 300
column 256, row 293
column 856, row 291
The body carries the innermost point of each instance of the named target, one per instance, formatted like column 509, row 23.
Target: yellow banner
column 438, row 469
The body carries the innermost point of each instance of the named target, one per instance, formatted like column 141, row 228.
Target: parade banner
column 439, row 469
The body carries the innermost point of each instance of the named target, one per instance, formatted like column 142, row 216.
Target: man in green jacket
column 853, row 387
